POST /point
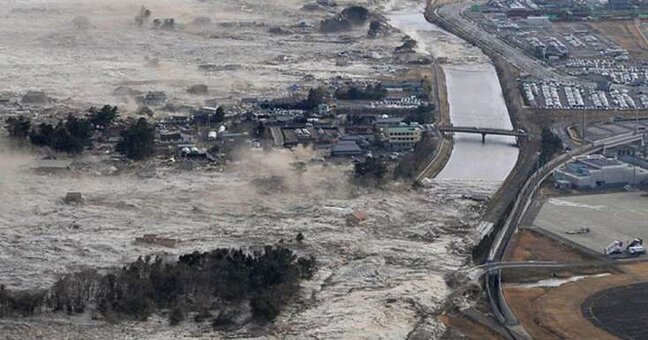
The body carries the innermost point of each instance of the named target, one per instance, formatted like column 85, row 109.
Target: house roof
column 346, row 146
column 359, row 215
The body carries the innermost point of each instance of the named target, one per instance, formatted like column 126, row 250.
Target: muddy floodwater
column 383, row 272
column 476, row 100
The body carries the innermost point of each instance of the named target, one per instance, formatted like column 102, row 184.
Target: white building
column 538, row 21
column 402, row 137
column 598, row 171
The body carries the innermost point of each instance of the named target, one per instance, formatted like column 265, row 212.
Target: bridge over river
column 483, row 131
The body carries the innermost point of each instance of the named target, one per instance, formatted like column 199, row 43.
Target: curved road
column 524, row 198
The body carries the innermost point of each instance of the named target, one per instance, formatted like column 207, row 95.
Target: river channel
column 474, row 96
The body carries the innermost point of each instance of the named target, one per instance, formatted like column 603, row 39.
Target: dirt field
column 469, row 328
column 529, row 245
column 626, row 34
column 556, row 313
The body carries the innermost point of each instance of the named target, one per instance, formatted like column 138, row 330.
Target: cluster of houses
column 338, row 128
column 351, row 128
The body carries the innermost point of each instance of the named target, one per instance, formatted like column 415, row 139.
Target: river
column 475, row 99
column 474, row 96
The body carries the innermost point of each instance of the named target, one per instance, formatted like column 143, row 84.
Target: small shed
column 73, row 198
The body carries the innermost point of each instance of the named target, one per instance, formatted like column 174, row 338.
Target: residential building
column 179, row 119
column 175, row 136
column 301, row 134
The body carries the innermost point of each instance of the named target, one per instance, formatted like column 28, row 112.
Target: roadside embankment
column 444, row 148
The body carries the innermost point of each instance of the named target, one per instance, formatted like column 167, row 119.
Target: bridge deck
column 483, row 131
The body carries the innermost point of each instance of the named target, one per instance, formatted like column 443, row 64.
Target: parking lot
column 618, row 216
column 554, row 95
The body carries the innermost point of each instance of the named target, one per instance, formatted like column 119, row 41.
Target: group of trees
column 20, row 303
column 551, row 144
column 104, row 117
column 316, row 96
column 408, row 46
column 361, row 119
column 375, row 28
column 74, row 134
column 371, row 92
column 196, row 282
column 71, row 135
column 137, row 141
column 424, row 114
column 371, row 170
column 18, row 127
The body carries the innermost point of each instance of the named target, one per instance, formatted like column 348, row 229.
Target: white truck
column 615, row 247
column 636, row 248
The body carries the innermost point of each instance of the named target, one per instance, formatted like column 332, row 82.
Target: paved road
column 453, row 15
